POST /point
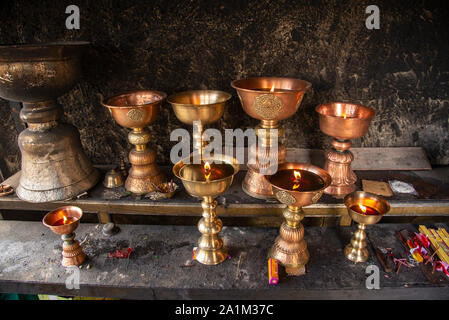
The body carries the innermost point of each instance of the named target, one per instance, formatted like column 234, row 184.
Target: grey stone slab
column 30, row 262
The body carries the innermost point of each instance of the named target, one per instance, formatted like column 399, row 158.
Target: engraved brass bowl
column 271, row 106
column 355, row 125
column 136, row 110
column 39, row 72
column 206, row 106
column 299, row 198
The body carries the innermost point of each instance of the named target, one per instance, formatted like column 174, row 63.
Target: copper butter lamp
column 269, row 100
column 203, row 106
column 343, row 122
column 54, row 165
column 208, row 180
column 64, row 221
column 365, row 209
column 297, row 185
column 136, row 110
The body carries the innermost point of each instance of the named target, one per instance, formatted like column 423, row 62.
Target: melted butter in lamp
column 298, row 180
column 206, row 171
column 63, row 220
column 366, row 210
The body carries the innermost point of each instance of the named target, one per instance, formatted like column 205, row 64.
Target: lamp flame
column 272, row 88
column 207, row 171
column 296, row 180
column 362, row 207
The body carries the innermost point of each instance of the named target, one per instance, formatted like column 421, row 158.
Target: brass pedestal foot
column 356, row 251
column 210, row 246
column 290, row 248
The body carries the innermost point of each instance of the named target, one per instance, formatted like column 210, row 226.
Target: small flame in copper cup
column 297, row 179
column 207, row 171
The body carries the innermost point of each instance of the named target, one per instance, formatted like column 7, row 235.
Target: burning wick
column 296, row 180
column 344, row 116
column 362, row 207
column 64, row 220
column 207, row 171
column 272, row 88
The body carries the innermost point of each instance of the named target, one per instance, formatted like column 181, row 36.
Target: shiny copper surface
column 342, row 121
column 136, row 110
column 333, row 123
column 356, row 250
column 270, row 107
column 72, row 252
column 54, row 165
column 278, row 105
column 290, row 248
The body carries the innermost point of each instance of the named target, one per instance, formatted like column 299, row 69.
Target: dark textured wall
column 401, row 70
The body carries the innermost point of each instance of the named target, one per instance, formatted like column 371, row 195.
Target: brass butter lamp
column 269, row 100
column 64, row 221
column 343, row 122
column 297, row 185
column 136, row 110
column 54, row 166
column 203, row 106
column 208, row 180
column 365, row 209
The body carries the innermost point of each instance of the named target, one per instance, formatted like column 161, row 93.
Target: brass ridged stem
column 356, row 251
column 210, row 246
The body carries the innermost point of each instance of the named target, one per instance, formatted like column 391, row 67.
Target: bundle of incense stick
column 440, row 241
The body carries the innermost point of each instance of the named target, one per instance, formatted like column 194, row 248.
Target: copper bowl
column 39, row 72
column 333, row 123
column 206, row 106
column 284, row 101
column 69, row 211
column 298, row 198
column 135, row 109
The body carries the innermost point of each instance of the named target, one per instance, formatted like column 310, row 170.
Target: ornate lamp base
column 72, row 252
column 290, row 248
column 338, row 165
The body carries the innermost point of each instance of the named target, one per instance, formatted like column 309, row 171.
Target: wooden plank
column 401, row 158
column 388, row 158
